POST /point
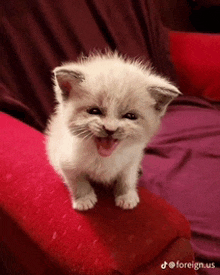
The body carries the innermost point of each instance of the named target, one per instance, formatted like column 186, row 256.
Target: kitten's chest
column 107, row 169
column 103, row 169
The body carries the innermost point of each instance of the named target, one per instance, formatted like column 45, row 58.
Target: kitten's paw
column 128, row 201
column 86, row 202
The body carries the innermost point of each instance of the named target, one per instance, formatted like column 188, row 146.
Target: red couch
column 42, row 234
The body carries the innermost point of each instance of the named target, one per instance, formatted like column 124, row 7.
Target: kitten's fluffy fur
column 108, row 109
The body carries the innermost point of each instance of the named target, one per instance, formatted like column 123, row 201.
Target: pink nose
column 108, row 131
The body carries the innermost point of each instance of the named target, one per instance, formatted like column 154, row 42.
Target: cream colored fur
column 116, row 86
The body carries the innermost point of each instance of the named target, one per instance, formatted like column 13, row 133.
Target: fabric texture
column 182, row 166
column 38, row 35
column 196, row 57
column 40, row 223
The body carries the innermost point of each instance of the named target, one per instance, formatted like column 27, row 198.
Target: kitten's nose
column 108, row 131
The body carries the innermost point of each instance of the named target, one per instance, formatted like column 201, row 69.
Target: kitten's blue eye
column 130, row 116
column 94, row 111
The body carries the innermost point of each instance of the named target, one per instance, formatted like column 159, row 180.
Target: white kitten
column 108, row 110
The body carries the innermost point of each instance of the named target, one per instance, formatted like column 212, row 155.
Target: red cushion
column 196, row 57
column 102, row 240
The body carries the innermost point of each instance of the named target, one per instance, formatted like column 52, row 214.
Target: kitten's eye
column 130, row 116
column 94, row 111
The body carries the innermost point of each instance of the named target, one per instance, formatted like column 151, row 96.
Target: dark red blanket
column 38, row 35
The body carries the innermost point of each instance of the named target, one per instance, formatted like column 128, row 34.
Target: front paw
column 128, row 201
column 86, row 202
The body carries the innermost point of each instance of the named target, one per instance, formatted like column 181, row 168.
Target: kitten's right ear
column 66, row 81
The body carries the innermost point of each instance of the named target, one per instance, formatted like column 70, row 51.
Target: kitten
column 109, row 107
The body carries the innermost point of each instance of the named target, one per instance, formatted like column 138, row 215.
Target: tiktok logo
column 164, row 265
column 171, row 265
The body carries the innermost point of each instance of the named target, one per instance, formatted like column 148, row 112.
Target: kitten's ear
column 163, row 95
column 66, row 81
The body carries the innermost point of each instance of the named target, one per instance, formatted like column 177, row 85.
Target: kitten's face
column 110, row 120
column 112, row 101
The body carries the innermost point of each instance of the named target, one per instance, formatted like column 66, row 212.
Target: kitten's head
column 112, row 101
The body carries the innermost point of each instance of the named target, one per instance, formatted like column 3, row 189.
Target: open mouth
column 106, row 145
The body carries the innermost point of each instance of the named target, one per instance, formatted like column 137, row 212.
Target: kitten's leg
column 82, row 194
column 126, row 195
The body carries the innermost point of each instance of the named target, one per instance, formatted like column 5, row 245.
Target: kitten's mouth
column 106, row 145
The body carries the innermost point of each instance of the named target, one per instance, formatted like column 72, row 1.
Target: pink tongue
column 106, row 146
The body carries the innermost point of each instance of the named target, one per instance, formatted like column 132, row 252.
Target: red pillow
column 196, row 57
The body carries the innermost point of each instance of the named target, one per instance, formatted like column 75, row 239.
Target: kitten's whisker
column 88, row 136
column 80, row 134
column 80, row 130
column 72, row 124
column 98, row 126
column 79, row 126
column 84, row 133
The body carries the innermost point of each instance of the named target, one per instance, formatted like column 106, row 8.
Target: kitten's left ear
column 67, row 81
column 163, row 95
